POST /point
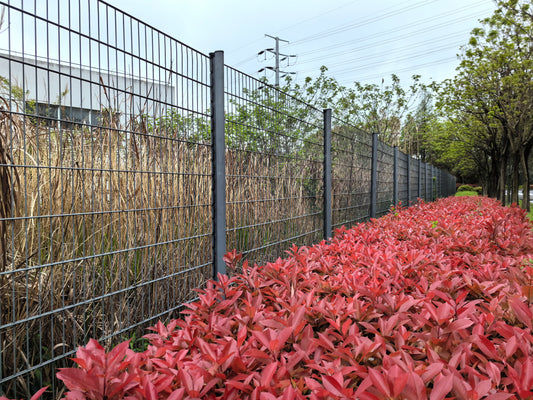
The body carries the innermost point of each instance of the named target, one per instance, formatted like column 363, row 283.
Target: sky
column 357, row 40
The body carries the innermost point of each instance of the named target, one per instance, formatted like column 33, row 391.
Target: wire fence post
column 395, row 178
column 425, row 188
column 374, row 176
column 419, row 179
column 218, row 161
column 432, row 185
column 327, row 174
column 408, row 180
column 439, row 184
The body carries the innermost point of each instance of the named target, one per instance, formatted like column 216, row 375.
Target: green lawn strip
column 466, row 193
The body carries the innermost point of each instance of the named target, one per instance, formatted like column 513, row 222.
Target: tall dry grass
column 103, row 228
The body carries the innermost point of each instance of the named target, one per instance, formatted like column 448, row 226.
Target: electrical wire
column 399, row 49
column 290, row 27
column 397, row 71
column 350, row 26
column 395, row 60
column 401, row 28
column 321, row 15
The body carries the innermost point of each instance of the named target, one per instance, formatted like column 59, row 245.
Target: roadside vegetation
column 429, row 302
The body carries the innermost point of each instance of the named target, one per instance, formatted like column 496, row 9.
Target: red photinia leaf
column 522, row 311
column 526, row 376
column 115, row 357
column 177, row 394
column 267, row 396
column 150, row 393
column 486, row 346
column 379, row 382
column 79, row 380
column 431, row 371
column 332, row 385
column 442, row 385
column 458, row 325
column 39, row 393
column 268, row 374
column 499, row 396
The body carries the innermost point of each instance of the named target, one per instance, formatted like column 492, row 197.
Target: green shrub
column 465, row 188
column 478, row 189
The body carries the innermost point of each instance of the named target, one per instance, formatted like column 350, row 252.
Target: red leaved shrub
column 430, row 302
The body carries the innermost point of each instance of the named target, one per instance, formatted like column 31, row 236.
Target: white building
column 65, row 93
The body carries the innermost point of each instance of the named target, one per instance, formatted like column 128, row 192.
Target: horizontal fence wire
column 351, row 150
column 274, row 169
column 108, row 217
column 107, row 180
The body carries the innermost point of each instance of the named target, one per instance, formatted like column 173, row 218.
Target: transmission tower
column 278, row 58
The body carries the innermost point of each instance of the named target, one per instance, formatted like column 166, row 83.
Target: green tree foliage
column 381, row 108
column 490, row 102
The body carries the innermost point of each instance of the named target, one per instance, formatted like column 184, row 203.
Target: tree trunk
column 524, row 154
column 515, row 182
column 493, row 182
column 502, row 167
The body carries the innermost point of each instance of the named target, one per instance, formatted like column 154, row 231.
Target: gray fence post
column 395, row 178
column 440, row 183
column 419, row 179
column 433, row 182
column 426, row 183
column 409, row 180
column 327, row 175
column 374, row 176
column 218, row 155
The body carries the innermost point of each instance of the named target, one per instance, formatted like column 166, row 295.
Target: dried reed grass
column 103, row 228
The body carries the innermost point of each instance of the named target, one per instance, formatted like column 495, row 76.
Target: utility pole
column 278, row 57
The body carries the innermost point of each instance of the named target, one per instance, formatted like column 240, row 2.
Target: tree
column 493, row 91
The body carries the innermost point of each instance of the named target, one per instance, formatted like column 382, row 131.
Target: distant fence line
column 130, row 163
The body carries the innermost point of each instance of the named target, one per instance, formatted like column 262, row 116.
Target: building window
column 64, row 117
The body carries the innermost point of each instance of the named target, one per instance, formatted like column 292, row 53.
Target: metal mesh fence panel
column 403, row 193
column 351, row 151
column 429, row 182
column 385, row 181
column 413, row 172
column 107, row 220
column 449, row 182
column 274, row 169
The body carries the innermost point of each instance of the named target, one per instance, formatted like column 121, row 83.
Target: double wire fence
column 130, row 162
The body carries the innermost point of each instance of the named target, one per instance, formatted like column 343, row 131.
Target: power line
column 367, row 21
column 321, row 15
column 407, row 57
column 372, row 45
column 290, row 27
column 395, row 71
column 395, row 30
